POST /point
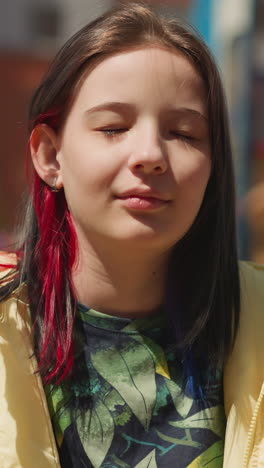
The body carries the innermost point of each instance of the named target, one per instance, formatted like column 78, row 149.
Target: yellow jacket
column 26, row 436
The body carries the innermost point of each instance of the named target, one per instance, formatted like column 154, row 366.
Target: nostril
column 148, row 166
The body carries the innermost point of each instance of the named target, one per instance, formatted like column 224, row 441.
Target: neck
column 129, row 283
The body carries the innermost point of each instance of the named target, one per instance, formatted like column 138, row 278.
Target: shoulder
column 7, row 259
column 244, row 368
column 13, row 303
column 8, row 263
column 251, row 270
column 252, row 303
column 9, row 290
column 249, row 344
column 251, row 291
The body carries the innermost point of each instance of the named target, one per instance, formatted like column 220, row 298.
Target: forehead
column 138, row 74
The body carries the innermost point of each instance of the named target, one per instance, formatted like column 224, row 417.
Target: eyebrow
column 126, row 107
column 187, row 110
column 114, row 106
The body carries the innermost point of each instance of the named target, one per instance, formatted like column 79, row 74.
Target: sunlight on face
column 134, row 152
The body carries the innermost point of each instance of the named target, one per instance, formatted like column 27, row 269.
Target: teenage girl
column 127, row 338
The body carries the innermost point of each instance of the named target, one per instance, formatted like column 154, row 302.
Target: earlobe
column 44, row 147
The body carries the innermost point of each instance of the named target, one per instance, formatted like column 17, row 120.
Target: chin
column 147, row 237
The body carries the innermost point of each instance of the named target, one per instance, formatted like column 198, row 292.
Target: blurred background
column 31, row 31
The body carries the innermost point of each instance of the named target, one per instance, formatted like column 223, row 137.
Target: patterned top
column 125, row 406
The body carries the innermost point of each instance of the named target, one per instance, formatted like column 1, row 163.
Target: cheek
column 83, row 169
column 200, row 176
column 192, row 181
column 194, row 173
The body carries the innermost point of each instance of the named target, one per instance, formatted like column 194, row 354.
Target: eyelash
column 112, row 132
column 183, row 137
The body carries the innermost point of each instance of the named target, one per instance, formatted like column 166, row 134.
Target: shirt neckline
column 122, row 324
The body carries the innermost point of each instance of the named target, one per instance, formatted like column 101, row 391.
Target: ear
column 44, row 147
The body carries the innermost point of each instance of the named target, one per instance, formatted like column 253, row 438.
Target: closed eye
column 182, row 136
column 113, row 131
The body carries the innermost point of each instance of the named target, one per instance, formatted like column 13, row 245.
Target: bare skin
column 133, row 285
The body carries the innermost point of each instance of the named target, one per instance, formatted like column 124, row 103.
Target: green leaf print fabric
column 124, row 405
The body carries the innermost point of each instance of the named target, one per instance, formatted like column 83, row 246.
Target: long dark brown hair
column 203, row 282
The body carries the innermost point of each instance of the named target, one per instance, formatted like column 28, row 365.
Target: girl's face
column 134, row 153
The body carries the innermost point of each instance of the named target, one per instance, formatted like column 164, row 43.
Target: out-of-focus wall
column 19, row 74
column 42, row 26
column 254, row 200
column 234, row 22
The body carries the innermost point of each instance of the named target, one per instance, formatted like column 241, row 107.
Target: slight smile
column 141, row 202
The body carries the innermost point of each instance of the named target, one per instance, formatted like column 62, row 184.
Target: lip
column 143, row 200
column 141, row 193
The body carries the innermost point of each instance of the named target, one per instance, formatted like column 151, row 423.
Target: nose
column 148, row 154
